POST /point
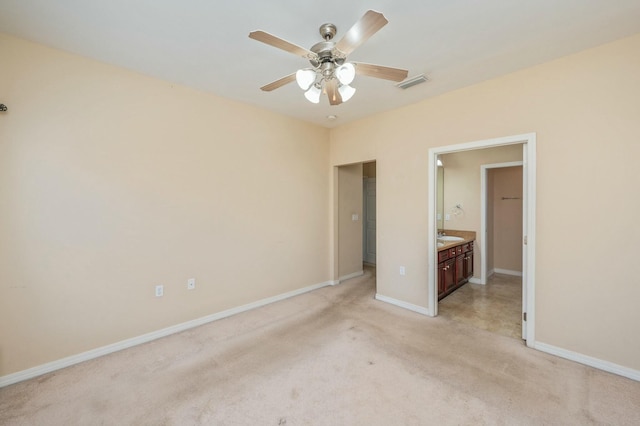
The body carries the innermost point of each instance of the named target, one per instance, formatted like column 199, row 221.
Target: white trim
column 401, row 304
column 508, row 272
column 474, row 280
column 529, row 143
column 349, row 276
column 134, row 341
column 484, row 170
column 600, row 364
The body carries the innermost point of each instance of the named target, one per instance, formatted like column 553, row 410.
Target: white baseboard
column 405, row 305
column 134, row 341
column 600, row 364
column 507, row 272
column 474, row 280
column 349, row 276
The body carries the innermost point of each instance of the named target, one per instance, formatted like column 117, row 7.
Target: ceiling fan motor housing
column 325, row 50
column 328, row 31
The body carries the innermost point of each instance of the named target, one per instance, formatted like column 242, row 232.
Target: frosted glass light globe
column 313, row 94
column 305, row 78
column 346, row 73
column 346, row 92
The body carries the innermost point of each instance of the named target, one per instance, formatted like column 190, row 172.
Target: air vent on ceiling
column 419, row 79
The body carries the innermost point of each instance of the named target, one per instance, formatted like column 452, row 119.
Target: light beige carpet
column 331, row 357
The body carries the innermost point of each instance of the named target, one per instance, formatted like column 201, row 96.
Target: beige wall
column 462, row 187
column 112, row 182
column 584, row 109
column 349, row 231
column 507, row 217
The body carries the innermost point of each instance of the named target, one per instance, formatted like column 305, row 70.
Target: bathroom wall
column 507, row 219
column 462, row 186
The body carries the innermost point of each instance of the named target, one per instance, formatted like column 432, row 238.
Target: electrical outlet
column 159, row 290
column 403, row 271
column 191, row 283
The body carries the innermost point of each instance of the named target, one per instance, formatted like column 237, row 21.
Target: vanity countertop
column 467, row 235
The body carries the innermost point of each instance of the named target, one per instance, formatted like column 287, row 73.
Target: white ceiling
column 204, row 43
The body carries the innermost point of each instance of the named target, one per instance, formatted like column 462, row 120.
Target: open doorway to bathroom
column 464, row 207
column 492, row 300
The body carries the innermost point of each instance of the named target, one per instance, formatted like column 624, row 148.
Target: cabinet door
column 449, row 274
column 442, row 286
column 460, row 277
column 468, row 265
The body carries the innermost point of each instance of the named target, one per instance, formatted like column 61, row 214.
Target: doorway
column 369, row 213
column 528, row 144
column 501, row 224
column 354, row 216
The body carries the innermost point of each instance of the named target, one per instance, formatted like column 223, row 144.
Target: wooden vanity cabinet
column 455, row 267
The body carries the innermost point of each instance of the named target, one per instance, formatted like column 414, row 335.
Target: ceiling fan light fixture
column 313, row 94
column 346, row 73
column 346, row 92
column 305, row 78
column 330, row 73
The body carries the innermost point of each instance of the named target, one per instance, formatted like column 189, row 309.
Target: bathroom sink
column 440, row 244
column 450, row 238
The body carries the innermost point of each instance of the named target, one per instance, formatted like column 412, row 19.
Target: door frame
column 528, row 141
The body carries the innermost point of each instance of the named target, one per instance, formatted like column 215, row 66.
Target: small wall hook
column 3, row 108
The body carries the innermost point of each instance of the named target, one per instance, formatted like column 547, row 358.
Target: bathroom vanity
column 455, row 262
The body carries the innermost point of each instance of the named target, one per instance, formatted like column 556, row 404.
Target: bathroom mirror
column 440, row 197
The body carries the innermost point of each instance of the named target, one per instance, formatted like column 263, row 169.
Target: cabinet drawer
column 453, row 251
column 443, row 255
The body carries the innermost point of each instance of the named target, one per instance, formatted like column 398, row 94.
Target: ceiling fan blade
column 279, row 43
column 367, row 26
column 279, row 83
column 331, row 86
column 378, row 71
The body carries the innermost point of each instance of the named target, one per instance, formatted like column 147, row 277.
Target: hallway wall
column 349, row 230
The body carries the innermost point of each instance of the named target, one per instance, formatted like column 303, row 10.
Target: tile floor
column 495, row 307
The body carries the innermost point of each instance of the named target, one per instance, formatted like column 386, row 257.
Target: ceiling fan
column 330, row 72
